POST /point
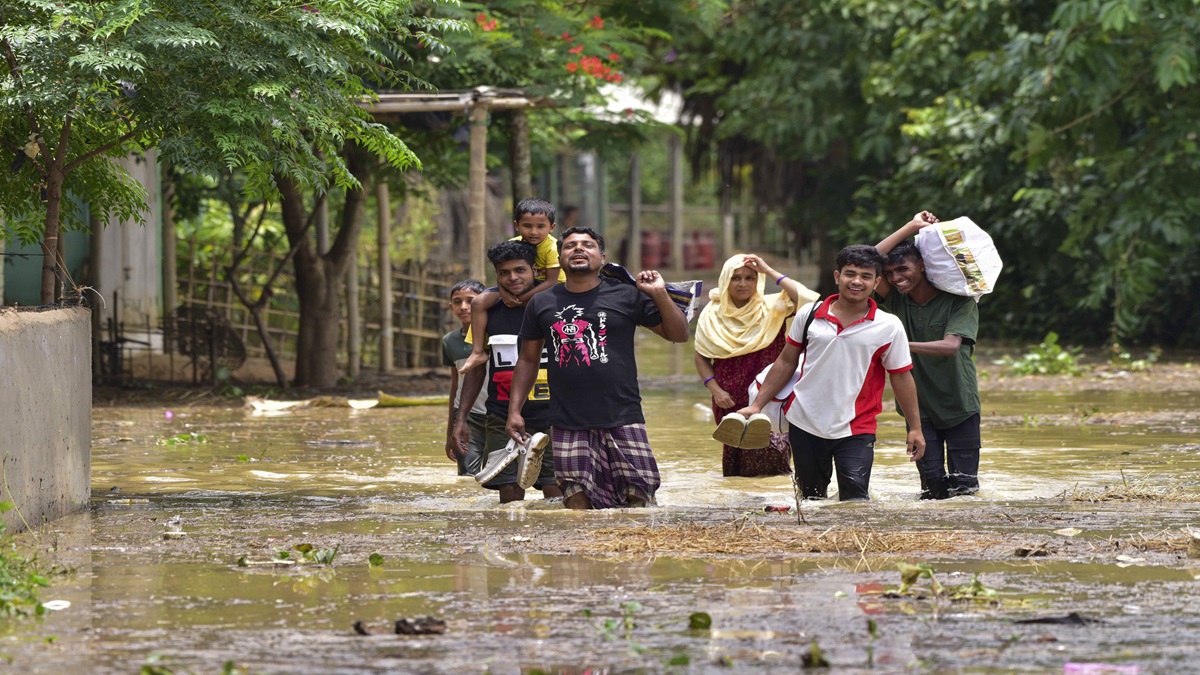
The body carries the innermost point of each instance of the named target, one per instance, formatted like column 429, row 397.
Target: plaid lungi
column 608, row 465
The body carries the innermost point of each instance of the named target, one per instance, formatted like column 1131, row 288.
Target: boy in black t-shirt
column 513, row 261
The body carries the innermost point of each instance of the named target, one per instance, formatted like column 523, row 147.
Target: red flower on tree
column 483, row 22
column 576, row 49
column 596, row 22
column 567, row 37
column 614, row 57
column 572, row 67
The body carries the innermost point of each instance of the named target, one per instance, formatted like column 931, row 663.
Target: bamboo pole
column 726, row 221
column 477, row 222
column 635, row 213
column 676, row 210
column 383, row 205
column 170, row 272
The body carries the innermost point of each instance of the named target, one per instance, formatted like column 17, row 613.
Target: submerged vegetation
column 21, row 577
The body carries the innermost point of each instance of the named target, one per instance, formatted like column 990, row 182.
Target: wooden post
column 95, row 252
column 518, row 152
column 635, row 213
column 727, row 220
column 383, row 205
column 354, row 330
column 477, row 220
column 169, row 270
column 676, row 204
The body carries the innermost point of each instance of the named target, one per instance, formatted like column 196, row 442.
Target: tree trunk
column 54, row 185
column 319, row 278
column 518, row 153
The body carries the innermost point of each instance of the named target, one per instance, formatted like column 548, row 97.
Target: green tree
column 1073, row 140
column 271, row 88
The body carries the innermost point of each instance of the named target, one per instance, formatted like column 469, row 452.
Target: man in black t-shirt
column 513, row 261
column 601, row 452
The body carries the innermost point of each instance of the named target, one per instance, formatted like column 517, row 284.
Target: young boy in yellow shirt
column 533, row 220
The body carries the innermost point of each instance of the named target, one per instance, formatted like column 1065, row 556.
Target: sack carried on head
column 959, row 257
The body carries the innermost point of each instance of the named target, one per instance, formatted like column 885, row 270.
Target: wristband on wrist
column 780, row 279
column 708, row 379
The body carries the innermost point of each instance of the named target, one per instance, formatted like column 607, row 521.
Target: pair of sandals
column 528, row 456
column 747, row 433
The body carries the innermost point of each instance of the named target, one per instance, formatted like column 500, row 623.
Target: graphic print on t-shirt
column 575, row 340
column 505, row 350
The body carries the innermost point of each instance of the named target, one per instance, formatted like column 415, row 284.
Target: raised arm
column 674, row 326
column 909, row 229
column 798, row 292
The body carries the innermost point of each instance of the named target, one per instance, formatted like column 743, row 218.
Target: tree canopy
column 265, row 86
column 1065, row 129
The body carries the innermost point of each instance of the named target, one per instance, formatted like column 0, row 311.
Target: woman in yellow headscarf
column 740, row 332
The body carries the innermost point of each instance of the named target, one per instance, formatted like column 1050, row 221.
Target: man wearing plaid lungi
column 602, row 457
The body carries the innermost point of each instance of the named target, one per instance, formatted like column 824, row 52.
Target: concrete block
column 45, row 413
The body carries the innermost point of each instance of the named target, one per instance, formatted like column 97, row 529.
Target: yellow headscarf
column 726, row 330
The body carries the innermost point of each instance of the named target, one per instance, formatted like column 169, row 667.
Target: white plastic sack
column 775, row 408
column 960, row 258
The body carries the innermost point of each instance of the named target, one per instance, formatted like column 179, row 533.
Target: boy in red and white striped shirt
column 849, row 347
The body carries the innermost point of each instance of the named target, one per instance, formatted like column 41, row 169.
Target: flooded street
column 531, row 587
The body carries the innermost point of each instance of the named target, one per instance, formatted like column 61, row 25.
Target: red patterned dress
column 734, row 376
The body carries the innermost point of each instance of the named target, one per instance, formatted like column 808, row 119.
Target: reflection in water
column 263, row 484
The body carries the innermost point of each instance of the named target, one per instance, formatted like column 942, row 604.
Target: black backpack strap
column 808, row 322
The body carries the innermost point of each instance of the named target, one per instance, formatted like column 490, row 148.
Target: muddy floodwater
column 174, row 557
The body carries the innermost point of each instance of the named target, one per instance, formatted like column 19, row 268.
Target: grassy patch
column 1146, row 489
column 738, row 537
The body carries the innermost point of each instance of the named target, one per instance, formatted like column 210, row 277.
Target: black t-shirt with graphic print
column 589, row 338
column 504, row 324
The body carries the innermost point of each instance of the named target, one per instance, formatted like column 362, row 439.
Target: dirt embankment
column 1161, row 377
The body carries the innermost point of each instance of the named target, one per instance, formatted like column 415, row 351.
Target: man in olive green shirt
column 941, row 330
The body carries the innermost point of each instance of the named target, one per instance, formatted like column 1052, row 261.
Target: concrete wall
column 45, row 413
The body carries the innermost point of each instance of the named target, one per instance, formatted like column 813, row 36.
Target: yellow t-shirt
column 545, row 258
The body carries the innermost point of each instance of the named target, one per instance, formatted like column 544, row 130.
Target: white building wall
column 130, row 262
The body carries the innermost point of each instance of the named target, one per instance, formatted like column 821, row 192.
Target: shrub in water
column 1047, row 358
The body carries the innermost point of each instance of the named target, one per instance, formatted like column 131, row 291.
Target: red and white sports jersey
column 840, row 391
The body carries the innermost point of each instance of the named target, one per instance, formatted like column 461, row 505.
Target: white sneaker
column 497, row 460
column 730, row 430
column 529, row 462
column 758, row 432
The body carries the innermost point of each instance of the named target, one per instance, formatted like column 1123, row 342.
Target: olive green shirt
column 947, row 388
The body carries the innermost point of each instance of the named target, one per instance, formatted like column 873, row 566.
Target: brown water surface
column 518, row 600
